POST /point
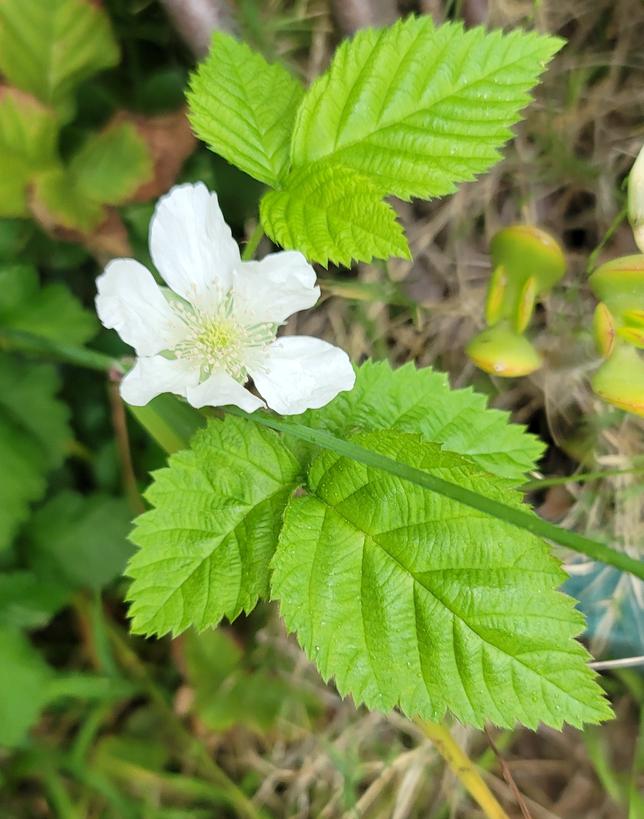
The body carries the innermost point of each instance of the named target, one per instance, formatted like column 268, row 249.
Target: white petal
column 191, row 244
column 154, row 375
column 301, row 373
column 221, row 389
column 131, row 302
column 274, row 288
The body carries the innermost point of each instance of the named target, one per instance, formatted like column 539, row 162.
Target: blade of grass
column 517, row 517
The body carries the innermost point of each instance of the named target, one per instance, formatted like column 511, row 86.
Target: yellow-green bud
column 636, row 199
column 499, row 350
column 603, row 330
column 620, row 380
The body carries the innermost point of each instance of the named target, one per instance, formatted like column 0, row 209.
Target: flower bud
column 636, row 199
column 499, row 350
column 620, row 380
column 603, row 330
column 620, row 285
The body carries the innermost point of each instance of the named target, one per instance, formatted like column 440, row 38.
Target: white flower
column 217, row 323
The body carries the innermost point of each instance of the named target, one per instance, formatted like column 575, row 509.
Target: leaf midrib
column 440, row 601
column 400, row 120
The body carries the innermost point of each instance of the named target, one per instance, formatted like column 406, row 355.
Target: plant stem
column 234, row 795
column 582, row 477
column 67, row 353
column 523, row 520
column 58, row 797
column 463, row 768
column 119, row 423
column 172, row 784
column 253, row 242
column 517, row 517
column 617, row 221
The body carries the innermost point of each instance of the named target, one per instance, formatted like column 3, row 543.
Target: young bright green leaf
column 421, row 401
column 111, row 165
column 244, row 108
column 24, row 676
column 50, row 311
column 31, row 443
column 418, row 108
column 412, row 600
column 28, row 133
column 332, row 214
column 47, row 47
column 204, row 550
column 80, row 542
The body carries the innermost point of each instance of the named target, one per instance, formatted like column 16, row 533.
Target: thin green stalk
column 233, row 794
column 59, row 799
column 523, row 520
column 594, row 255
column 517, row 517
column 582, row 477
column 173, row 784
column 253, row 242
column 17, row 340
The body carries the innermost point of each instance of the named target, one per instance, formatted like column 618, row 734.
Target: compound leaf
column 412, row 600
column 332, row 214
column 57, row 202
column 204, row 550
column 243, row 108
column 80, row 542
column 421, row 401
column 31, row 443
column 24, row 677
column 48, row 48
column 28, row 601
column 111, row 165
column 418, row 108
column 28, row 133
column 50, row 311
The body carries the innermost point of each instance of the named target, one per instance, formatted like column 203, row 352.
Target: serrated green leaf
column 111, row 165
column 332, row 214
column 80, row 542
column 24, row 676
column 31, row 443
column 50, row 311
column 421, row 401
column 417, row 108
column 47, row 47
column 28, row 133
column 410, row 599
column 244, row 108
column 205, row 548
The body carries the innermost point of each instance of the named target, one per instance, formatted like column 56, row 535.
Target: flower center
column 220, row 340
column 217, row 336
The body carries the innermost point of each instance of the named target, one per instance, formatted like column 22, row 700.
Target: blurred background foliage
column 94, row 723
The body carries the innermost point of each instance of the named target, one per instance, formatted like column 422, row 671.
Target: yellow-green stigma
column 218, row 336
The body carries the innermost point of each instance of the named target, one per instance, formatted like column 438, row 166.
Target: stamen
column 219, row 340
